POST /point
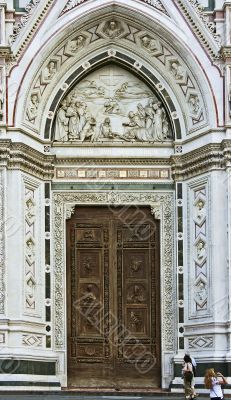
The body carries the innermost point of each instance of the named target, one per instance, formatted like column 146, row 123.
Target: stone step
column 81, row 395
column 72, row 396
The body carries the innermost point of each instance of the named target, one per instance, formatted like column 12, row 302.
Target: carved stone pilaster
column 31, row 240
column 198, row 255
column 2, row 92
column 2, row 242
column 162, row 205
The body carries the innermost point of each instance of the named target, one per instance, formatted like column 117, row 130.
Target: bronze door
column 113, row 298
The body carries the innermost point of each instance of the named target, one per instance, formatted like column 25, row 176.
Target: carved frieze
column 97, row 173
column 164, row 203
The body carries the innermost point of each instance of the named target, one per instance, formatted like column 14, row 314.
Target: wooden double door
column 113, row 298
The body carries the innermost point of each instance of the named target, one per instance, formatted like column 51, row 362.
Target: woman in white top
column 213, row 381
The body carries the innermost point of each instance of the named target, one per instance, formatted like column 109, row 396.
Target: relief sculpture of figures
column 49, row 71
column 177, row 70
column 32, row 110
column 201, row 251
column 200, row 293
column 200, row 210
column 61, row 131
column 74, row 45
column 111, row 105
column 149, row 44
column 194, row 103
column 88, row 296
column 112, row 29
column 136, row 294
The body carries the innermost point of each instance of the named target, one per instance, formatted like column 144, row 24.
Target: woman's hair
column 187, row 359
column 209, row 374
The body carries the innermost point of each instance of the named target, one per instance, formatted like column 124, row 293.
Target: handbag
column 188, row 375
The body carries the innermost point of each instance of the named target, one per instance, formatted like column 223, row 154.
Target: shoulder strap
column 214, row 392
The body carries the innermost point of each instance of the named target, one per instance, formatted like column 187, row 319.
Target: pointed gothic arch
column 172, row 59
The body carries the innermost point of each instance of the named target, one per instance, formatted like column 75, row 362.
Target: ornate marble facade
column 114, row 104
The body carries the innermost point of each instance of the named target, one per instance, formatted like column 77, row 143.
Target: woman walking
column 213, row 381
column 188, row 377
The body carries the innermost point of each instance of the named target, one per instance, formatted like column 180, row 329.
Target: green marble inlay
column 18, row 5
column 211, row 5
column 111, row 186
column 223, row 367
column 16, row 366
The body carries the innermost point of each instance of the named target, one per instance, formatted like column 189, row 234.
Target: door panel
column 113, row 298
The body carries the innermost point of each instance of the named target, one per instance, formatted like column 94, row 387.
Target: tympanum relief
column 111, row 105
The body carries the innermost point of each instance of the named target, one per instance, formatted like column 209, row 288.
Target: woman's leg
column 188, row 388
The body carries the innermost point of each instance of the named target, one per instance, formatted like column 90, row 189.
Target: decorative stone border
column 162, row 207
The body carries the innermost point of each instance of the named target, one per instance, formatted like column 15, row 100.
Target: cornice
column 18, row 156
column 226, row 52
column 21, row 28
column 5, row 52
column 71, row 4
column 201, row 160
column 205, row 30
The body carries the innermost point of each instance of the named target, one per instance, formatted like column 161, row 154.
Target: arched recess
column 151, row 46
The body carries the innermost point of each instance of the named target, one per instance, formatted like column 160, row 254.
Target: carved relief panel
column 112, row 105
